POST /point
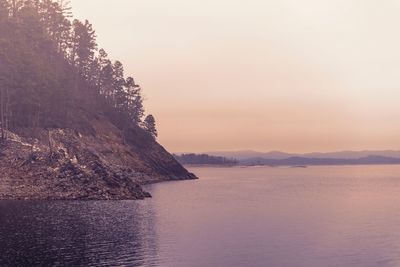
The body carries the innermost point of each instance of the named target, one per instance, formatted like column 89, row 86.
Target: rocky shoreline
column 68, row 165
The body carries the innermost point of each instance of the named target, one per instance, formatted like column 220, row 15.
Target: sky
column 289, row 75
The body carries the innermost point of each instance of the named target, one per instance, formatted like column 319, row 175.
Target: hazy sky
column 298, row 76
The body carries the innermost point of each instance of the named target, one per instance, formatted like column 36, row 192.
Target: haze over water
column 289, row 75
column 261, row 216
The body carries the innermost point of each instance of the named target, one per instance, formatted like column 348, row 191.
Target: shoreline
column 288, row 166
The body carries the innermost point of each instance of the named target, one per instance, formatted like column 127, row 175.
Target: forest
column 204, row 159
column 52, row 71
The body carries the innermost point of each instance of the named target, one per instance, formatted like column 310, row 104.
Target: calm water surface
column 318, row 216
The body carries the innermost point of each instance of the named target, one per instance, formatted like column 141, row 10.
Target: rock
column 84, row 167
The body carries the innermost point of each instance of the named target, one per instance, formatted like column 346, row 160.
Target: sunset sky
column 297, row 76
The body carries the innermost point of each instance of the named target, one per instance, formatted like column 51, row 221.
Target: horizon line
column 285, row 152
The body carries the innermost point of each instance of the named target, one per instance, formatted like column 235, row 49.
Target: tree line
column 204, row 159
column 51, row 64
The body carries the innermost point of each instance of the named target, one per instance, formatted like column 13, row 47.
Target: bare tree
column 2, row 112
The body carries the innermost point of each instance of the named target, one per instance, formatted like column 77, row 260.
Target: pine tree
column 150, row 126
column 54, row 17
column 134, row 101
column 107, row 80
column 83, row 46
column 119, row 96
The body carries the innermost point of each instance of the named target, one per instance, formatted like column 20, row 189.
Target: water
column 318, row 216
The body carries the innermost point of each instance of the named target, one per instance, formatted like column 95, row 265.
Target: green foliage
column 49, row 66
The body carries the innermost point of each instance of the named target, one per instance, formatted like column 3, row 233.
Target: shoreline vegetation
column 282, row 166
column 303, row 161
column 72, row 124
column 206, row 160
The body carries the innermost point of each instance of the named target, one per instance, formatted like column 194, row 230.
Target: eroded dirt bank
column 67, row 164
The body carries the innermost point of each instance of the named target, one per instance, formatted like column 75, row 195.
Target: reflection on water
column 318, row 216
column 76, row 234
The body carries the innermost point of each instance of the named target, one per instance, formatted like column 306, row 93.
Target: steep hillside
column 72, row 125
column 68, row 164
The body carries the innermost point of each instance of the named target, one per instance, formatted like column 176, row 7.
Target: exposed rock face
column 67, row 164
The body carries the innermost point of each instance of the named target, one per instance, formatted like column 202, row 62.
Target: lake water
column 317, row 216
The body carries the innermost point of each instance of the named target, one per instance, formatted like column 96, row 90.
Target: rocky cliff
column 97, row 162
column 76, row 124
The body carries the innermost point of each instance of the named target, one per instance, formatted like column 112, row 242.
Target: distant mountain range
column 277, row 158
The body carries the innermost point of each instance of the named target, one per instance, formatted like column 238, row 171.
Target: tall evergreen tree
column 55, row 21
column 134, row 101
column 119, row 95
column 150, row 125
column 84, row 45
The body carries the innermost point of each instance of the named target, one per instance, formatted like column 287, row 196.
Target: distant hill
column 355, row 154
column 247, row 154
column 300, row 161
column 277, row 158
